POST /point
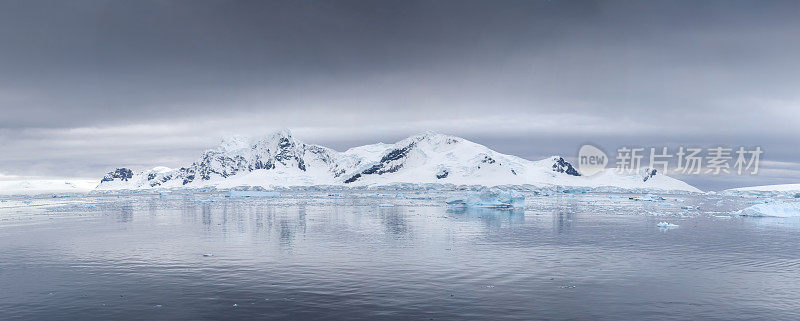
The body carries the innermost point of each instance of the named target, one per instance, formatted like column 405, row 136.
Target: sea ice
column 252, row 194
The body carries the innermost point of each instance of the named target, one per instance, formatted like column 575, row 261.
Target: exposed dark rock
column 648, row 174
column 398, row 153
column 188, row 174
column 394, row 155
column 352, row 179
column 392, row 169
column 373, row 169
column 188, row 179
column 562, row 166
column 122, row 174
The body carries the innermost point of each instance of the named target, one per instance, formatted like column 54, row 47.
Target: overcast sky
column 88, row 86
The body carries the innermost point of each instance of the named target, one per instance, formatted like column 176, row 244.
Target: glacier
column 772, row 209
column 279, row 160
column 782, row 190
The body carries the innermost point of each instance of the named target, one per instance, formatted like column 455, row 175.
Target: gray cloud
column 89, row 85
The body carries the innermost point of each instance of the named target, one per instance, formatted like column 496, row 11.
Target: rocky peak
column 562, row 166
column 122, row 174
column 648, row 173
column 233, row 144
column 432, row 138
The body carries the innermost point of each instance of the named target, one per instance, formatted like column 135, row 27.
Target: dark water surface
column 308, row 257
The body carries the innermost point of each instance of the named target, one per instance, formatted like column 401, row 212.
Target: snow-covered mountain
column 787, row 190
column 281, row 160
column 769, row 188
column 24, row 186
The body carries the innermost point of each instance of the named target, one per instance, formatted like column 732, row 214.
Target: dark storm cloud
column 98, row 83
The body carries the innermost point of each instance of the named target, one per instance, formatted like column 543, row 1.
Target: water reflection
column 286, row 233
column 334, row 261
column 563, row 222
column 206, row 217
column 773, row 222
column 125, row 214
column 489, row 216
column 394, row 221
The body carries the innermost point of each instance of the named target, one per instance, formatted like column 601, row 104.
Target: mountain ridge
column 279, row 159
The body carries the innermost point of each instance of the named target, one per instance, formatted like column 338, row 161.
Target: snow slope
column 769, row 188
column 39, row 186
column 281, row 160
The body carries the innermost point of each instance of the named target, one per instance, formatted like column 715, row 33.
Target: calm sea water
column 315, row 256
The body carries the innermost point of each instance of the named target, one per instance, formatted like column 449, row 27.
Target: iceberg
column 489, row 198
column 665, row 225
column 774, row 209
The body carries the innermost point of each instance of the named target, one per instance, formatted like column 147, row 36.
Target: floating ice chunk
column 775, row 209
column 490, row 198
column 665, row 225
column 252, row 194
column 385, row 205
